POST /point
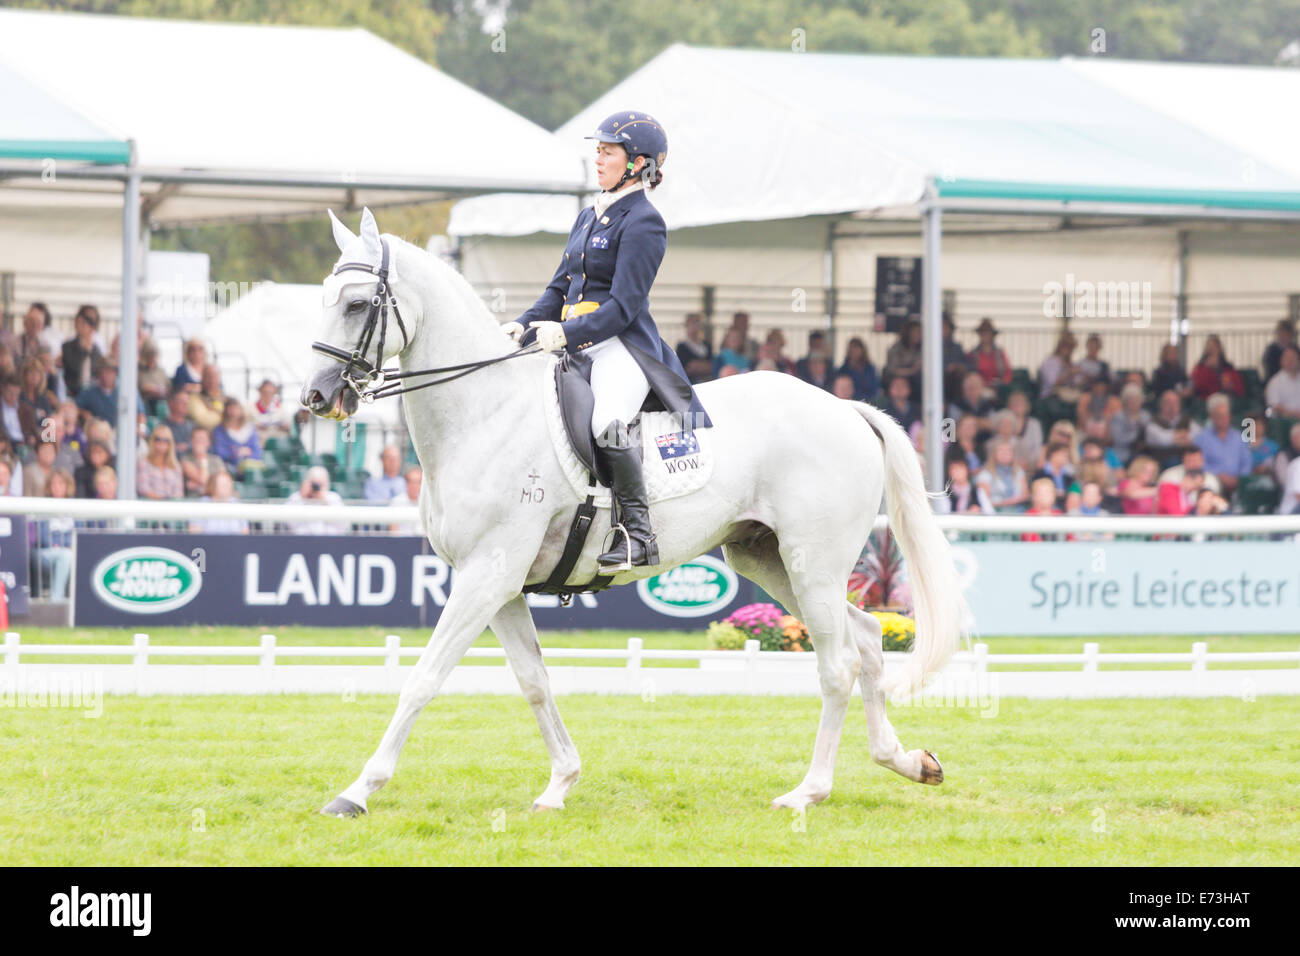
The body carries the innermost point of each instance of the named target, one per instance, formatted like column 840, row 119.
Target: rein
column 360, row 374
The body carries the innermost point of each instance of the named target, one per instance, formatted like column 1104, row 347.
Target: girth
column 574, row 393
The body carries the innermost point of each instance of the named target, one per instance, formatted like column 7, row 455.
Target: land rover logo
column 146, row 580
column 693, row 589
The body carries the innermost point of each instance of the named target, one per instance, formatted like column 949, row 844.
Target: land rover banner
column 14, row 563
column 140, row 580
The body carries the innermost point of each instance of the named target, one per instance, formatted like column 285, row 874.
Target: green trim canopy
column 35, row 125
column 1277, row 200
column 101, row 152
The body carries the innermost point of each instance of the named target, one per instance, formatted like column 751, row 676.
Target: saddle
column 676, row 461
column 577, row 402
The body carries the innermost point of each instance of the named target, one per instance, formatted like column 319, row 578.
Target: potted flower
column 879, row 579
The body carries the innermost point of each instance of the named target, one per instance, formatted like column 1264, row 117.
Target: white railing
column 974, row 677
column 91, row 509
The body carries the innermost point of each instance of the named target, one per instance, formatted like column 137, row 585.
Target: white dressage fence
column 278, row 512
column 975, row 675
column 974, row 678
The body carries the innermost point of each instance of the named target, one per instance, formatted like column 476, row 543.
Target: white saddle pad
column 676, row 462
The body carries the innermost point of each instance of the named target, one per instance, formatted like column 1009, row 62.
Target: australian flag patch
column 600, row 242
column 677, row 444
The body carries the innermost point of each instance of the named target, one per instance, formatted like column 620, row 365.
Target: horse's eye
column 356, row 306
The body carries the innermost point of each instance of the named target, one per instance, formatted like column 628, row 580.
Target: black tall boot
column 637, row 547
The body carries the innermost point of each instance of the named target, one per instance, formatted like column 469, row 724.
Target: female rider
column 597, row 305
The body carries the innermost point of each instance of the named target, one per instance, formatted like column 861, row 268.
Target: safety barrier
column 974, row 678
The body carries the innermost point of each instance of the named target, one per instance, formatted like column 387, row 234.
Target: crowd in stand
column 59, row 411
column 59, row 406
column 1076, row 437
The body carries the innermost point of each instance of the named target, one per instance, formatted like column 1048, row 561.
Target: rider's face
column 611, row 161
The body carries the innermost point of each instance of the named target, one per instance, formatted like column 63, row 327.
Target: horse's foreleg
column 514, row 628
column 474, row 600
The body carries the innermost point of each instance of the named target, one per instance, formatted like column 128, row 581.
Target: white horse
column 796, row 486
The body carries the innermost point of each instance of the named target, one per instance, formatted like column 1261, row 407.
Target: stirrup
column 626, row 563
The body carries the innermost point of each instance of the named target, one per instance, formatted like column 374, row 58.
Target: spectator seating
column 287, row 462
column 1258, row 495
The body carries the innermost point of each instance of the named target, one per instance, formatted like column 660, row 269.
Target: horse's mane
column 447, row 281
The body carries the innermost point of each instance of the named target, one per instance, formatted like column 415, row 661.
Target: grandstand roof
column 763, row 135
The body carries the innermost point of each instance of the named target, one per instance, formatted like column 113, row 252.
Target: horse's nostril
column 315, row 399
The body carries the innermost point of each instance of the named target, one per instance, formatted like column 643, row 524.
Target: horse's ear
column 342, row 234
column 370, row 232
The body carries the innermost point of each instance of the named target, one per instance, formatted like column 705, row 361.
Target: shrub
column 879, row 579
column 726, row 637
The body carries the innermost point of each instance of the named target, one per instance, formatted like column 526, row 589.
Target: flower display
column 898, row 631
column 777, row 631
column 766, row 623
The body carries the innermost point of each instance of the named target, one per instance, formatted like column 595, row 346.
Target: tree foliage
column 548, row 59
column 412, row 25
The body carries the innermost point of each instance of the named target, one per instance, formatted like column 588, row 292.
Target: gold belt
column 576, row 309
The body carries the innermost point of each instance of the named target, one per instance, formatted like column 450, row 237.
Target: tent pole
column 932, row 340
column 127, row 358
column 1178, row 329
column 828, row 280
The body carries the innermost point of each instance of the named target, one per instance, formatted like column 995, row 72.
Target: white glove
column 550, row 336
column 513, row 329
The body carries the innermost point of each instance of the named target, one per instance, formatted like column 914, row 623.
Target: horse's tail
column 941, row 612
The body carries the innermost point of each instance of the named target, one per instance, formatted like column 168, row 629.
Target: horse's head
column 360, row 327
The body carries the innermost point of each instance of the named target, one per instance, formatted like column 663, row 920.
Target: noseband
column 364, row 377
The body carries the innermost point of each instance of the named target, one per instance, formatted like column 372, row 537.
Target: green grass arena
column 238, row 780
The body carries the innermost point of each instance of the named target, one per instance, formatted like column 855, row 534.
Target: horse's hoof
column 543, row 807
column 343, row 807
column 932, row 775
column 797, row 801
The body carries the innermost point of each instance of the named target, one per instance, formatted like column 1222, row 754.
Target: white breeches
column 619, row 385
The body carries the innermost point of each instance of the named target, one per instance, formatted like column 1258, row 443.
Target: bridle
column 364, row 377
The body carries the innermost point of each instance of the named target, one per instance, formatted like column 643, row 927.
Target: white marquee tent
column 190, row 122
column 765, row 135
column 232, row 120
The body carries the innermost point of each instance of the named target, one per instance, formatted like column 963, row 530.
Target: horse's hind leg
column 514, row 628
column 919, row 765
column 817, row 597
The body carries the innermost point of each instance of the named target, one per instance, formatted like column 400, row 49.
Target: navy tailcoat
column 613, row 262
